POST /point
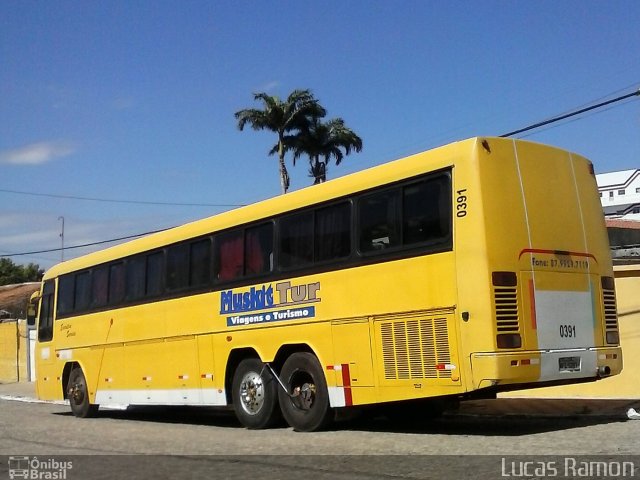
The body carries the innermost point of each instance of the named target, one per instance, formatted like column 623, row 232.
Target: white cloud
column 37, row 153
column 269, row 86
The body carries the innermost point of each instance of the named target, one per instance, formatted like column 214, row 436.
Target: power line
column 140, row 202
column 572, row 114
column 111, row 200
column 83, row 245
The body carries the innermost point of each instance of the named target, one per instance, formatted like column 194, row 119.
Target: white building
column 620, row 194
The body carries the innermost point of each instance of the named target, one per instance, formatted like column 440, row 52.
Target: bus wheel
column 305, row 404
column 255, row 395
column 78, row 395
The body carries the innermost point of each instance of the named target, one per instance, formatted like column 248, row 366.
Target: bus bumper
column 493, row 369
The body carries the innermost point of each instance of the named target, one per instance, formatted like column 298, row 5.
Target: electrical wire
column 572, row 114
column 140, row 202
column 83, row 245
column 111, row 200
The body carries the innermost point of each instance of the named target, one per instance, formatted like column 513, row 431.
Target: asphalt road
column 197, row 442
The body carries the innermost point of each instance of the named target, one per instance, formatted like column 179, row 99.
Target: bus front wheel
column 255, row 395
column 78, row 395
column 305, row 404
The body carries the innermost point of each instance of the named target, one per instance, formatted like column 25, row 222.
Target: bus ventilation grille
column 610, row 315
column 506, row 300
column 416, row 348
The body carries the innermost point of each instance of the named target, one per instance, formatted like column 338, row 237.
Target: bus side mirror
column 32, row 310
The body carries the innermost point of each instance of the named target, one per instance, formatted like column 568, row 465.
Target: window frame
column 118, row 268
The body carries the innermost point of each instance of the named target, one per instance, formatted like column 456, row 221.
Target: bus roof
column 396, row 170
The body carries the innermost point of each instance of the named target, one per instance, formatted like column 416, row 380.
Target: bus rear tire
column 307, row 408
column 78, row 395
column 255, row 395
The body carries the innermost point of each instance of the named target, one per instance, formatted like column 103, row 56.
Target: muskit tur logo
column 265, row 297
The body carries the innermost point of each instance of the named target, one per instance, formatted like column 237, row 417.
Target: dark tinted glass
column 135, row 278
column 379, row 221
column 259, row 249
column 426, row 211
column 99, row 287
column 229, row 255
column 333, row 232
column 200, row 260
column 155, row 269
column 83, row 292
column 66, row 294
column 116, row 283
column 296, row 240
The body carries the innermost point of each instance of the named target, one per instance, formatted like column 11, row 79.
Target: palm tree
column 322, row 141
column 295, row 113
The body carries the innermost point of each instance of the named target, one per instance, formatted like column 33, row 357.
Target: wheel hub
column 252, row 393
column 307, row 395
column 76, row 393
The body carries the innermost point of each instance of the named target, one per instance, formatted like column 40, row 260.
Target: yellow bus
column 470, row 269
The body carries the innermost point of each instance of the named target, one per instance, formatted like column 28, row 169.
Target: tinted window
column 200, row 261
column 116, row 283
column 135, row 278
column 66, row 294
column 259, row 249
column 379, row 221
column 296, row 240
column 177, row 266
column 426, row 211
column 83, row 292
column 229, row 255
column 414, row 214
column 155, row 270
column 45, row 325
column 99, row 287
column 333, row 232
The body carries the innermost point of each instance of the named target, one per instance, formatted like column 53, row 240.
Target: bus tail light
column 509, row 340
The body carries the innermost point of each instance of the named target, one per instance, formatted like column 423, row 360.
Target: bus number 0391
column 461, row 203
column 567, row 331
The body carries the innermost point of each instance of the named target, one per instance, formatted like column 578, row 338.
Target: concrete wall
column 13, row 351
column 627, row 384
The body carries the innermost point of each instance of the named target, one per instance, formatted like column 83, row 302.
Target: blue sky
column 135, row 100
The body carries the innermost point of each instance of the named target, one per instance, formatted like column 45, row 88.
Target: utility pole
column 62, row 239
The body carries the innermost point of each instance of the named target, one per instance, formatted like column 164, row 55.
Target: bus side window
column 296, row 240
column 229, row 248
column 82, row 292
column 200, row 263
column 379, row 221
column 258, row 249
column 426, row 211
column 177, row 267
column 99, row 286
column 154, row 274
column 333, row 232
column 135, row 283
column 66, row 294
column 45, row 326
column 116, row 283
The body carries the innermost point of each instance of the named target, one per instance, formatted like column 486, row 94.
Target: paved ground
column 502, row 406
column 479, row 442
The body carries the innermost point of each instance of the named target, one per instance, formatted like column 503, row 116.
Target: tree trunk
column 284, row 175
